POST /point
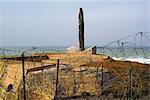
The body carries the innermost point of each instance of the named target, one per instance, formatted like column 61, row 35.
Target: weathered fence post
column 23, row 77
column 130, row 83
column 102, row 81
column 57, row 81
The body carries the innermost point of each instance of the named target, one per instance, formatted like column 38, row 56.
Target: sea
column 136, row 54
column 141, row 55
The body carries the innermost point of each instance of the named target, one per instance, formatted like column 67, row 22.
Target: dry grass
column 81, row 75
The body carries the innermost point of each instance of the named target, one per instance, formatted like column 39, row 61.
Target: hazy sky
column 54, row 23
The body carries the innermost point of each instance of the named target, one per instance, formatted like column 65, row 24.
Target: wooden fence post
column 57, row 81
column 23, row 77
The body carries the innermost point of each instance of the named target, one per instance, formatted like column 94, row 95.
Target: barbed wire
column 139, row 43
column 80, row 76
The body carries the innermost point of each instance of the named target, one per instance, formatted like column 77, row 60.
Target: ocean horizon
column 136, row 54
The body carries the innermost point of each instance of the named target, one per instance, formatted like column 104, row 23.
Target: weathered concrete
column 81, row 30
column 91, row 50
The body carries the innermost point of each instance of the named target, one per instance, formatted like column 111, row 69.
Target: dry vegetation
column 80, row 76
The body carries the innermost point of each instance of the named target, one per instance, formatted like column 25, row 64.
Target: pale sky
column 54, row 23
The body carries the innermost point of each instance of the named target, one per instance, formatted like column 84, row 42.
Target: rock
column 71, row 49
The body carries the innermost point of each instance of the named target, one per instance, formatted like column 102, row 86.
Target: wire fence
column 136, row 45
column 37, row 74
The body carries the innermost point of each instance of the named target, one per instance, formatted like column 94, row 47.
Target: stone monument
column 81, row 31
column 81, row 47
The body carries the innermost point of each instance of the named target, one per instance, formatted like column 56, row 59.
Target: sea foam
column 134, row 59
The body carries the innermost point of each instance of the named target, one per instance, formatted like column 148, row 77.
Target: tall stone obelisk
column 81, row 30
